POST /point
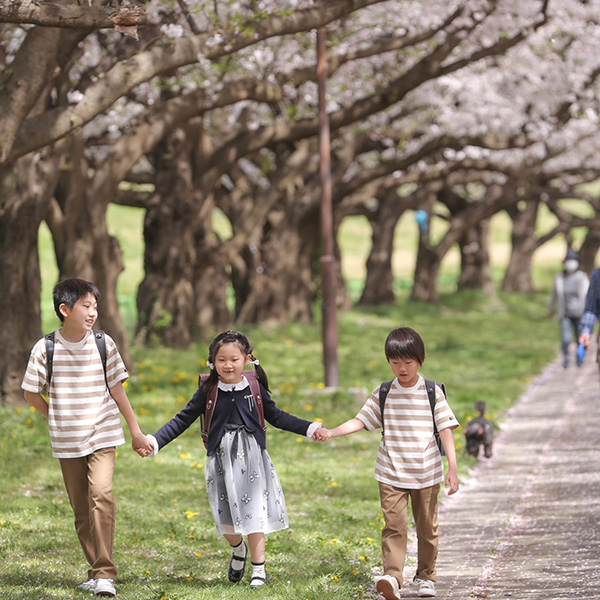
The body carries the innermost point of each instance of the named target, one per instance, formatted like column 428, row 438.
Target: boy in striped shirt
column 409, row 463
column 84, row 411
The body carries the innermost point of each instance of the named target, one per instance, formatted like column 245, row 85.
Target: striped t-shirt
column 83, row 416
column 408, row 455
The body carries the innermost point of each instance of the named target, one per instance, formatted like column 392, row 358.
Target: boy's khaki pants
column 394, row 504
column 89, row 484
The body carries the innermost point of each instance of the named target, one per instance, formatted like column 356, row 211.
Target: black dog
column 479, row 431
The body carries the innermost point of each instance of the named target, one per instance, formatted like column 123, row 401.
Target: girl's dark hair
column 405, row 342
column 231, row 337
column 70, row 290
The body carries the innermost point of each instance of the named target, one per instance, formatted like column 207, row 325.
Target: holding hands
column 321, row 435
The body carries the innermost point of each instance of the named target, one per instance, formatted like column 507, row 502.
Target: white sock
column 239, row 554
column 258, row 570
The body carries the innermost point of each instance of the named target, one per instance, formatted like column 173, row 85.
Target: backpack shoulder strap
column 384, row 388
column 255, row 389
column 101, row 344
column 430, row 385
column 209, row 409
column 49, row 337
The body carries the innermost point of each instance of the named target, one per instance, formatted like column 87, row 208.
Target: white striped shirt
column 83, row 416
column 408, row 456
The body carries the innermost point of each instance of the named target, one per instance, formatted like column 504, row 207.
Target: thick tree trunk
column 589, row 249
column 475, row 272
column 24, row 192
column 165, row 299
column 379, row 281
column 288, row 289
column 524, row 244
column 427, row 271
column 84, row 247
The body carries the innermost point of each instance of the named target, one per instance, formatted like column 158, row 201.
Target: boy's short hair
column 70, row 290
column 405, row 342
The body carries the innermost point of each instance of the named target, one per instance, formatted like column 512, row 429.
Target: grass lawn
column 167, row 547
column 166, row 544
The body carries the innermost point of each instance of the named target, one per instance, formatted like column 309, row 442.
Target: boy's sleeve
column 370, row 413
column 115, row 367
column 35, row 378
column 444, row 417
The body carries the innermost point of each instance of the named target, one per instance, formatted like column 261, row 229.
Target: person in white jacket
column 568, row 302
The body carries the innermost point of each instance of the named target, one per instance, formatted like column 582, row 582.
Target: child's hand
column 321, row 434
column 143, row 445
column 452, row 482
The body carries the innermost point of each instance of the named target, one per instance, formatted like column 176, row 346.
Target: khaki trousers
column 394, row 504
column 89, row 484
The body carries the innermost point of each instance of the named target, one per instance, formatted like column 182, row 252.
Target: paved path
column 527, row 523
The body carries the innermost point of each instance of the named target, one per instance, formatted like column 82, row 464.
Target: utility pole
column 328, row 266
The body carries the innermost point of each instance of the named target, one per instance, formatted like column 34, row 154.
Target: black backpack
column 430, row 385
column 100, row 342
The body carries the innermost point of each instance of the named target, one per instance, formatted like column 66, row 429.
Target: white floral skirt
column 244, row 491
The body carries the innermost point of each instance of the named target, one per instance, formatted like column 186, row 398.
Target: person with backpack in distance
column 409, row 462
column 83, row 374
column 244, row 491
column 568, row 301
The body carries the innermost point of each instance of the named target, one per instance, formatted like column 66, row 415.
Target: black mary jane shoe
column 236, row 575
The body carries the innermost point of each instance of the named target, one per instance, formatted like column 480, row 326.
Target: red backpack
column 211, row 402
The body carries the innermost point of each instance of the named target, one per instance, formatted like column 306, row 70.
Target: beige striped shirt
column 408, row 456
column 83, row 416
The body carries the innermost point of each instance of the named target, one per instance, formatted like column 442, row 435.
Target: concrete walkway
column 527, row 523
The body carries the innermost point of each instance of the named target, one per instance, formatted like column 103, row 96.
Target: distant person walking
column 592, row 310
column 568, row 302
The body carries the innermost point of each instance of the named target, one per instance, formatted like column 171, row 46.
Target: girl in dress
column 244, row 491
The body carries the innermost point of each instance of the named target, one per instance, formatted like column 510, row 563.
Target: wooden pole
column 328, row 264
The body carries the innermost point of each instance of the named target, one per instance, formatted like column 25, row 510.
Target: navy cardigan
column 225, row 401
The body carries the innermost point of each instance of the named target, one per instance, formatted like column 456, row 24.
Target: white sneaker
column 426, row 588
column 387, row 586
column 105, row 587
column 88, row 585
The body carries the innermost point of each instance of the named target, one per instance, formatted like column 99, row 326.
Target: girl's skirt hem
column 244, row 491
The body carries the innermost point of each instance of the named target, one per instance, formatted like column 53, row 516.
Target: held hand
column 142, row 445
column 584, row 339
column 321, row 435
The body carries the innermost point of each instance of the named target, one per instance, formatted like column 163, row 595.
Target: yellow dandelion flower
column 190, row 578
column 335, row 577
column 190, row 514
column 32, row 409
column 321, row 385
column 309, row 407
column 334, row 541
column 185, row 456
column 29, row 422
column 318, row 420
column 198, row 554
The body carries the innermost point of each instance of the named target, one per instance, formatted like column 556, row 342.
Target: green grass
column 167, row 547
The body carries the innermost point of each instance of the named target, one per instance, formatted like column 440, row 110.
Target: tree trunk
column 84, row 248
column 589, row 249
column 475, row 272
column 427, row 271
column 24, row 192
column 288, row 289
column 518, row 273
column 165, row 298
column 379, row 281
